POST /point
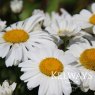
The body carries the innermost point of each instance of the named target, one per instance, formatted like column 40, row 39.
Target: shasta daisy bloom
column 86, row 18
column 85, row 55
column 63, row 27
column 16, row 5
column 21, row 37
column 7, row 89
column 43, row 65
column 53, row 22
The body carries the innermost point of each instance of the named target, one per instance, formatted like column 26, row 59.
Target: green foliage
column 53, row 5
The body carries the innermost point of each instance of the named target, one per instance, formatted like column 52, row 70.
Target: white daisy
column 20, row 37
column 86, row 18
column 42, row 64
column 54, row 23
column 2, row 25
column 7, row 89
column 85, row 55
column 63, row 26
column 16, row 5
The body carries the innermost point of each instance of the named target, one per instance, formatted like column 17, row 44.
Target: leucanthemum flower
column 2, row 25
column 7, row 89
column 54, row 23
column 16, row 5
column 85, row 58
column 62, row 26
column 42, row 64
column 86, row 18
column 21, row 37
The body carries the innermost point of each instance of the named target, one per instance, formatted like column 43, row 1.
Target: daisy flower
column 43, row 65
column 7, row 89
column 16, row 5
column 86, row 18
column 85, row 56
column 62, row 26
column 21, row 37
column 55, row 25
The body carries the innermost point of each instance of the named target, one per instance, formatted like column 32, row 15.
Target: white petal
column 84, row 78
column 13, row 26
column 43, row 87
column 28, row 69
column 76, row 50
column 4, row 48
column 34, row 82
column 8, row 28
column 93, row 7
column 20, row 24
column 66, row 86
column 28, row 64
column 32, row 21
column 92, row 82
column 5, row 84
column 53, row 87
column 85, row 25
column 73, row 74
column 1, row 37
column 68, row 58
column 18, row 52
column 24, row 53
column 10, row 58
column 85, row 13
column 94, row 29
column 29, row 74
column 65, row 13
column 13, row 86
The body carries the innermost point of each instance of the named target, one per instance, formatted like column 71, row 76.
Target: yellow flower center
column 87, row 59
column 92, row 19
column 16, row 36
column 51, row 66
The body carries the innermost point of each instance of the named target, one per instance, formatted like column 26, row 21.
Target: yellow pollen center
column 51, row 66
column 87, row 59
column 16, row 36
column 92, row 19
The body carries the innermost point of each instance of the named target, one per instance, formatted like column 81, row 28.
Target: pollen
column 16, row 36
column 92, row 19
column 51, row 66
column 87, row 59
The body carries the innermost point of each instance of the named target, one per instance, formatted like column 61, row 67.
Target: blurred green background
column 72, row 6
column 13, row 73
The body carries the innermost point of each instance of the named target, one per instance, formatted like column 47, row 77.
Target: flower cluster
column 53, row 51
